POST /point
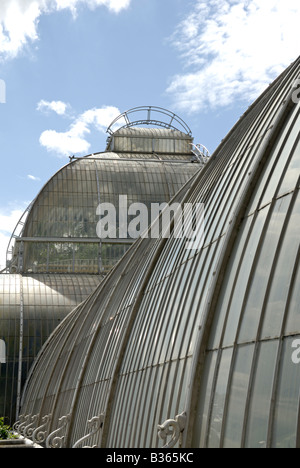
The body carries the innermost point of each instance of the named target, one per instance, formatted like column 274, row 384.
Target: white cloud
column 8, row 222
column 233, row 49
column 114, row 5
column 74, row 141
column 31, row 177
column 56, row 106
column 64, row 144
column 18, row 23
column 19, row 19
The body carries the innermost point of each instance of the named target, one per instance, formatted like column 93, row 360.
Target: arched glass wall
column 58, row 259
column 249, row 367
column 201, row 337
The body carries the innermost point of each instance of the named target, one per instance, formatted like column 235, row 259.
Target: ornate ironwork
column 174, row 428
column 22, row 426
column 55, row 441
column 29, row 430
column 40, row 433
column 94, row 426
column 18, row 423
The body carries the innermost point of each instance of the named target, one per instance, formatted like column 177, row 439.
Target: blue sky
column 71, row 66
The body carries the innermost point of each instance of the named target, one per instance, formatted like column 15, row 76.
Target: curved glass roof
column 59, row 235
column 202, row 337
column 31, row 308
column 56, row 258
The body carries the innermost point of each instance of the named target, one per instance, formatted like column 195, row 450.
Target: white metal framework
column 149, row 115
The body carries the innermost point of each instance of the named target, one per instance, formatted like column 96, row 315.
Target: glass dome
column 200, row 341
column 148, row 165
column 56, row 259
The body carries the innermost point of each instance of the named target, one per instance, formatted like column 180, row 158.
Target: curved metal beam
column 149, row 110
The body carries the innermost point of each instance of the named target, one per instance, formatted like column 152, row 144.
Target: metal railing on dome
column 152, row 116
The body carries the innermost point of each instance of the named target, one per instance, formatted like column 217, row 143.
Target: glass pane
column 226, row 292
column 275, row 167
column 261, row 275
column 292, row 174
column 287, row 402
column 204, row 401
column 219, row 400
column 260, row 399
column 243, row 278
column 293, row 320
column 282, row 277
column 238, row 396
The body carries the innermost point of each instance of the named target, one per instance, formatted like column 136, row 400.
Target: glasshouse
column 56, row 259
column 181, row 347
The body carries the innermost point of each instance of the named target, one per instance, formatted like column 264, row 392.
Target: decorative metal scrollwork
column 22, row 426
column 29, row 430
column 53, row 441
column 17, row 424
column 174, row 428
column 40, row 433
column 94, row 426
